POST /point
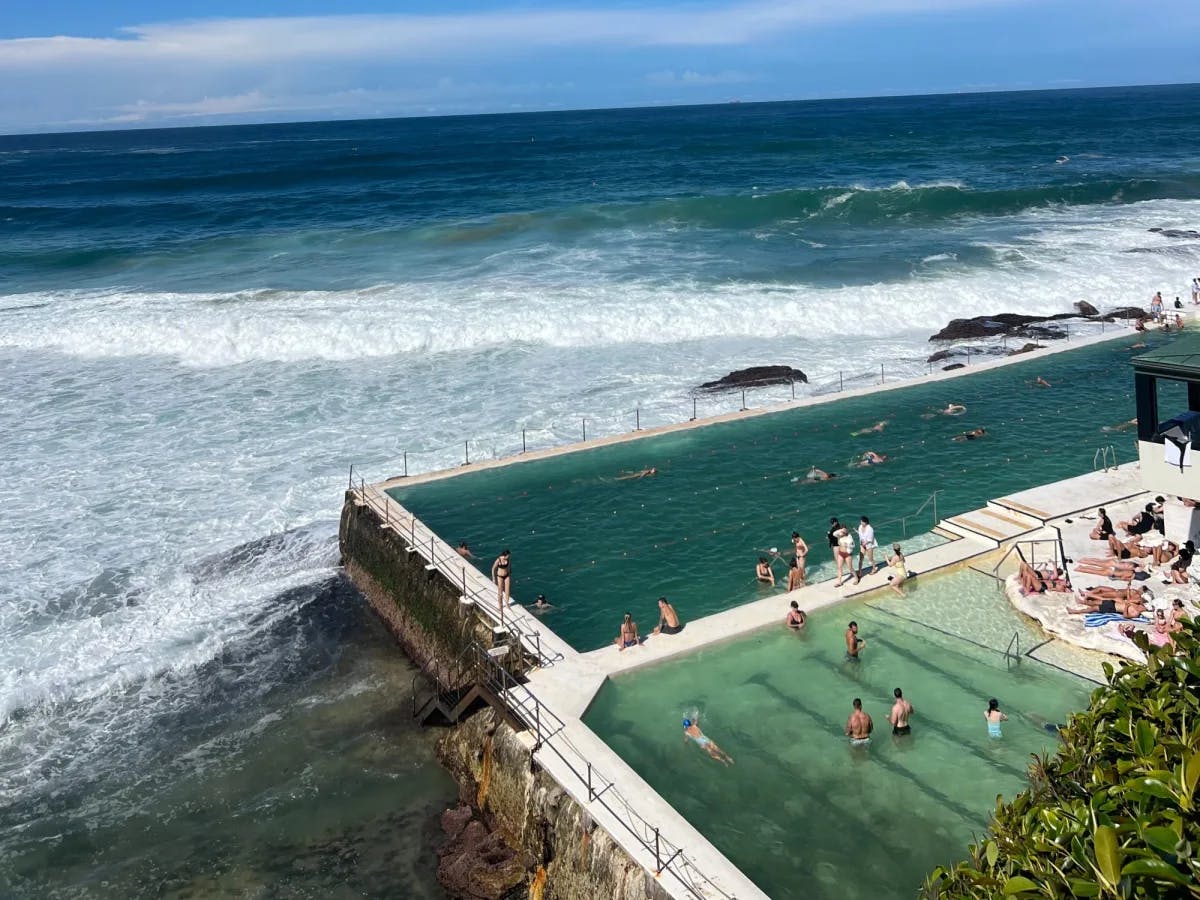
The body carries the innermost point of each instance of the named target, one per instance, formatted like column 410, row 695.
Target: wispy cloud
column 690, row 78
column 401, row 37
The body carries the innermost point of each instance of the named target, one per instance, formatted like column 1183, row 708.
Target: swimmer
column 763, row 572
column 691, row 731
column 853, row 642
column 540, row 604
column 859, row 726
column 953, row 409
column 815, row 474
column 970, row 435
column 870, row 458
column 668, row 619
column 1122, row 426
column 901, row 710
column 1041, row 382
column 795, row 619
column 1140, row 345
column 994, row 717
column 464, row 551
column 877, row 427
column 643, row 473
column 629, row 633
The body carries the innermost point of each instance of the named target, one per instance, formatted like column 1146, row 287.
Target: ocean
column 202, row 329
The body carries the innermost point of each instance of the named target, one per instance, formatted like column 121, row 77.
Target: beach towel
column 1096, row 619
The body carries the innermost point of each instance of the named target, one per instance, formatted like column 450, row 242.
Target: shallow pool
column 597, row 545
column 802, row 813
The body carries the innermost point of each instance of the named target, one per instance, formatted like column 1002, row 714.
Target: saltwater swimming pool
column 802, row 813
column 597, row 545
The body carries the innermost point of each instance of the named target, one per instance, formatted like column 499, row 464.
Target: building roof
column 1178, row 359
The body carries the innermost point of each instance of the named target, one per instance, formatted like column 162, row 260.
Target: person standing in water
column 795, row 620
column 859, row 726
column 691, row 731
column 502, row 575
column 853, row 642
column 795, row 575
column 994, row 717
column 901, row 710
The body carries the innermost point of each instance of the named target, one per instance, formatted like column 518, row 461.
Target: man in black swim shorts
column 901, row 710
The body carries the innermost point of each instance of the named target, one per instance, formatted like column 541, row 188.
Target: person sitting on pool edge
column 859, row 726
column 668, row 619
column 763, row 572
column 795, row 620
column 629, row 633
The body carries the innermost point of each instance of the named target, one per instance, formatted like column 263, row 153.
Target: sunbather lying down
column 1112, row 568
column 1129, row 602
column 1130, row 549
column 1034, row 581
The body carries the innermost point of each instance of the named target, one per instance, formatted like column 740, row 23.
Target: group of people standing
column 843, row 546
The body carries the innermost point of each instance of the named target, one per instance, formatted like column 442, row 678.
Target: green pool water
column 802, row 813
column 597, row 546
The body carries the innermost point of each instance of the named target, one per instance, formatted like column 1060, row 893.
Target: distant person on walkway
column 899, row 567
column 464, row 551
column 502, row 575
column 970, row 435
column 901, row 710
column 800, row 547
column 763, row 571
column 795, row 618
column 866, row 545
column 1104, row 528
column 668, row 619
column 1156, row 306
column 691, row 731
column 994, row 717
column 643, row 473
column 629, row 633
column 843, row 552
column 859, row 726
column 853, row 642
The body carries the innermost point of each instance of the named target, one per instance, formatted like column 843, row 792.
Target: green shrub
column 1113, row 813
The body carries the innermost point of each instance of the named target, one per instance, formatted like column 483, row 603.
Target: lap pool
column 799, row 811
column 597, row 545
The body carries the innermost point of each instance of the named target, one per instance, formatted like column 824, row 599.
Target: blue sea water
column 200, row 329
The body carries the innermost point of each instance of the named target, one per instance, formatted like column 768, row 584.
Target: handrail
column 903, row 520
column 1101, row 458
column 1016, row 639
column 548, row 731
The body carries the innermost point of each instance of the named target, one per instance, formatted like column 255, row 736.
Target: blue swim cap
column 687, row 723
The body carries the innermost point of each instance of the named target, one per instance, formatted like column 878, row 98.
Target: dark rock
column 1086, row 309
column 940, row 355
column 1025, row 349
column 953, row 366
column 756, row 376
column 476, row 864
column 1126, row 312
column 455, row 820
column 1175, row 232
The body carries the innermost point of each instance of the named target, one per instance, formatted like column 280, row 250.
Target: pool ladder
column 1106, row 458
column 1012, row 653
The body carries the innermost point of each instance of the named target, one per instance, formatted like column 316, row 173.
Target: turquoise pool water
column 597, row 545
column 802, row 813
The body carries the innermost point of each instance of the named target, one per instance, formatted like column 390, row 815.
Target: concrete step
column 964, row 529
column 1023, row 508
column 1014, row 516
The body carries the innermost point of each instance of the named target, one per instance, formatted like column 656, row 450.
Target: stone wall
column 568, row 857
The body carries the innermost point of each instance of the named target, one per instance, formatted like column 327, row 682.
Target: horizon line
column 733, row 101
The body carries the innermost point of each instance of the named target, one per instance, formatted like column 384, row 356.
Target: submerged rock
column 1126, row 312
column 756, row 376
column 1025, row 349
column 991, row 326
column 1175, row 232
column 476, row 863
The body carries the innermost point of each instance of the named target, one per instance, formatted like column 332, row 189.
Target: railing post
column 882, row 378
column 589, row 783
column 351, row 485
column 693, row 419
column 968, row 355
column 405, row 463
column 585, row 430
column 935, row 517
column 792, row 381
column 522, row 440
column 637, row 419
column 743, row 399
column 841, row 384
column 657, row 855
column 466, row 453
column 464, row 577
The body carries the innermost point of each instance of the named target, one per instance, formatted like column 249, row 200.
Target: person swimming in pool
column 970, row 435
column 873, row 429
column 994, row 717
column 871, row 458
column 643, row 473
column 691, row 731
column 953, row 409
column 814, row 475
column 859, row 726
column 1041, row 382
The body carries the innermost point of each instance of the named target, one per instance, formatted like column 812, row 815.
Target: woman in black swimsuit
column 502, row 575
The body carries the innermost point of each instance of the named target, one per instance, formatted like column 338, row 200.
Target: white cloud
column 403, row 37
column 689, row 78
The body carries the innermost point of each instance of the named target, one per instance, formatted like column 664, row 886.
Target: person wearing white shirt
column 866, row 544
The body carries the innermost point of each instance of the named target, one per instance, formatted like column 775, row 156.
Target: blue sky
column 134, row 63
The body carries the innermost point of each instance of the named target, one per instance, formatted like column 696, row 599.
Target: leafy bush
column 1114, row 812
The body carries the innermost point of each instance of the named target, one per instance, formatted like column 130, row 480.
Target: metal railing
column 1057, row 552
column 1105, row 457
column 903, row 520
column 476, row 589
column 1011, row 655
